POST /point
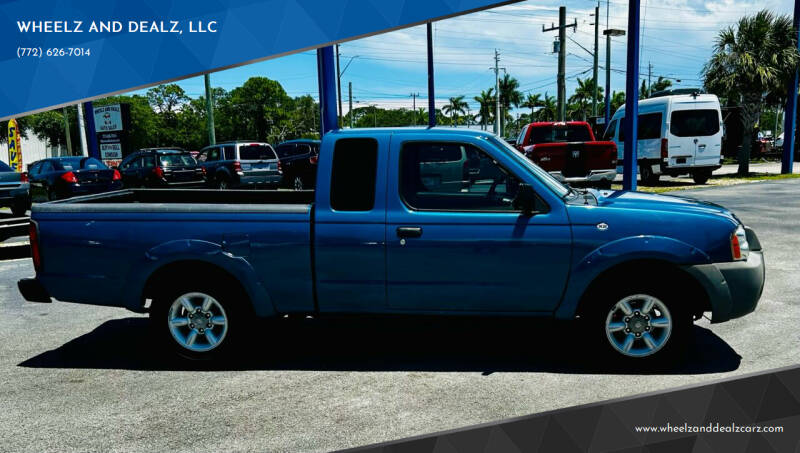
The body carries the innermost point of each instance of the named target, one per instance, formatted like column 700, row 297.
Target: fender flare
column 205, row 252
column 620, row 251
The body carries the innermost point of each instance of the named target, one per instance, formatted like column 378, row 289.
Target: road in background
column 76, row 377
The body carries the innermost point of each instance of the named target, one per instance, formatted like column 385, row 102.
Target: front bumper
column 33, row 290
column 733, row 288
column 593, row 176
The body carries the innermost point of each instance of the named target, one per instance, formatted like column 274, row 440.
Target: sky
column 677, row 37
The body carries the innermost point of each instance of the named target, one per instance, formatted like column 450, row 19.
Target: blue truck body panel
column 311, row 258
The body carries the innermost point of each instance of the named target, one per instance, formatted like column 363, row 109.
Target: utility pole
column 66, row 131
column 212, row 136
column 350, row 95
column 562, row 58
column 82, row 131
column 339, row 84
column 497, row 92
column 414, row 107
column 594, row 70
column 649, row 79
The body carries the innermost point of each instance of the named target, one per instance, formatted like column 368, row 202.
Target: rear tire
column 298, row 183
column 200, row 320
column 644, row 324
column 701, row 177
column 648, row 178
column 222, row 184
column 19, row 209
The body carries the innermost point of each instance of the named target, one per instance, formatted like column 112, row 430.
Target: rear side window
column 355, row 167
column 256, row 152
column 692, row 123
column 228, row 153
column 650, row 126
column 285, row 150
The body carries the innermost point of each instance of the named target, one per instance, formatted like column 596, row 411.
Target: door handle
column 409, row 232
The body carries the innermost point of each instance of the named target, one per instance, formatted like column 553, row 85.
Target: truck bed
column 116, row 239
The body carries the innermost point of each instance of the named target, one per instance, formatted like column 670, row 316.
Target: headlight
column 739, row 246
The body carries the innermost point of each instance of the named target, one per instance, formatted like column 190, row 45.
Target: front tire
column 197, row 321
column 645, row 324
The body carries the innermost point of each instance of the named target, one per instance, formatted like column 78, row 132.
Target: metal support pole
column 594, row 71
column 212, row 135
column 350, row 96
column 326, row 73
column 562, row 62
column 631, row 98
column 608, row 79
column 91, row 130
column 82, row 130
column 496, row 93
column 431, row 95
column 339, row 86
column 790, row 115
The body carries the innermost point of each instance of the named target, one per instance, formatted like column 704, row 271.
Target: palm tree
column 752, row 61
column 548, row 110
column 617, row 100
column 660, row 84
column 486, row 101
column 532, row 101
column 509, row 95
column 582, row 98
column 455, row 106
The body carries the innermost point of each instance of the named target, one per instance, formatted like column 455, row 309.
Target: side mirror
column 526, row 200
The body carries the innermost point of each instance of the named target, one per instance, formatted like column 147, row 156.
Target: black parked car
column 241, row 164
column 14, row 190
column 299, row 160
column 63, row 177
column 161, row 167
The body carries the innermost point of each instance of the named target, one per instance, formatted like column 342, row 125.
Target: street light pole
column 594, row 71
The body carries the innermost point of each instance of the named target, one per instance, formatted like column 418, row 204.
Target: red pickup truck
column 569, row 151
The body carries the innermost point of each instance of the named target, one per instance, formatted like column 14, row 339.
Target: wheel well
column 192, row 270
column 664, row 271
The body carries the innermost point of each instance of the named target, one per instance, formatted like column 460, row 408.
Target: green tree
column 532, row 102
column 455, row 105
column 752, row 62
column 548, row 110
column 617, row 100
column 509, row 96
column 486, row 100
column 660, row 84
column 582, row 98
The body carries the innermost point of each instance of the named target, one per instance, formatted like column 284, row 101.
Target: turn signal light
column 69, row 177
column 313, row 160
column 237, row 166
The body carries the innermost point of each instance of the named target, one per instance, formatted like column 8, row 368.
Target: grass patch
column 722, row 180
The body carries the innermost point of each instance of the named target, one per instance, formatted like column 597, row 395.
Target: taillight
column 314, row 160
column 33, row 234
column 69, row 177
column 237, row 166
column 116, row 176
column 23, row 177
column 159, row 172
column 204, row 170
column 280, row 168
column 664, row 148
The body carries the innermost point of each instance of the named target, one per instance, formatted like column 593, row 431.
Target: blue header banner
column 58, row 52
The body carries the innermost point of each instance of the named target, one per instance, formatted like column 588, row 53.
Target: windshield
column 560, row 133
column 256, row 152
column 176, row 160
column 547, row 179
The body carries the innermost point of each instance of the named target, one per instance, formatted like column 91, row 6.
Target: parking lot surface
column 76, row 377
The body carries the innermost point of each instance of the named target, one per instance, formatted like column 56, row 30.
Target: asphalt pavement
column 83, row 378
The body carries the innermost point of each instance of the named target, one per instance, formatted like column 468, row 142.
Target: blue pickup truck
column 402, row 222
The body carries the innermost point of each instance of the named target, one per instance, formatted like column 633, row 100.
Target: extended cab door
column 350, row 223
column 464, row 247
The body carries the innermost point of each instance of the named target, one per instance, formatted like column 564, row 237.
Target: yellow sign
column 14, row 146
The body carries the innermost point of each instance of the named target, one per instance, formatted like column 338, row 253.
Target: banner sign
column 14, row 146
column 58, row 52
column 108, row 118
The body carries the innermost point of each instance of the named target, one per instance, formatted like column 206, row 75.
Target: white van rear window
column 693, row 123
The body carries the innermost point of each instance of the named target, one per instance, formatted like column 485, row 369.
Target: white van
column 677, row 135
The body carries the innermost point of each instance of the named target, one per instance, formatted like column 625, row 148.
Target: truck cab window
column 454, row 177
column 353, row 177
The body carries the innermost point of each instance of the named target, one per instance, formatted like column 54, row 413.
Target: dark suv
column 299, row 160
column 161, row 167
column 241, row 164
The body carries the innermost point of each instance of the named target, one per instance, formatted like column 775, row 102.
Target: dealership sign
column 108, row 118
column 58, row 52
column 14, row 146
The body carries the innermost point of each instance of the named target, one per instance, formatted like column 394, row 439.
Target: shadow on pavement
column 382, row 344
